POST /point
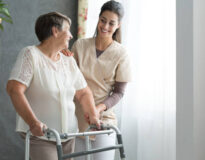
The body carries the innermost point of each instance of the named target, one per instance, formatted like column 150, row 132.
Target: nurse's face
column 107, row 24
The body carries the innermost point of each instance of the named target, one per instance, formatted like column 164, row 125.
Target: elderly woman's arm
column 16, row 91
column 85, row 97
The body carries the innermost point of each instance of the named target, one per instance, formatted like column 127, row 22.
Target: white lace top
column 51, row 88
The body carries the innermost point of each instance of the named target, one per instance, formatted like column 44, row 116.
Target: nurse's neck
column 102, row 43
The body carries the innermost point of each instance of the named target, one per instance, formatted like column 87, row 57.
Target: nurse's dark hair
column 45, row 22
column 118, row 9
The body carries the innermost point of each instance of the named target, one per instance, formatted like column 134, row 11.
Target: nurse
column 106, row 67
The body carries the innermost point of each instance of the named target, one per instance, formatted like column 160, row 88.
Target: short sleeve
column 123, row 72
column 22, row 70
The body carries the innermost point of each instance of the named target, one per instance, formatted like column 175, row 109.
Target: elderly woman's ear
column 55, row 31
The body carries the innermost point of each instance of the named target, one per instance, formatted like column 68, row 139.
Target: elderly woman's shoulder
column 69, row 59
column 28, row 50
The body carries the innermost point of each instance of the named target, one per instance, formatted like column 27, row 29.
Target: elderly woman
column 43, row 84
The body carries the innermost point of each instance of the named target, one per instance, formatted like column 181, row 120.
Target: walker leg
column 122, row 152
column 87, row 144
column 59, row 152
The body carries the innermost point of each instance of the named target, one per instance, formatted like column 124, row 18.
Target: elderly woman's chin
column 66, row 45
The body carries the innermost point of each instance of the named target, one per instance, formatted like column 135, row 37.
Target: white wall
column 190, row 141
column 199, row 79
column 184, row 100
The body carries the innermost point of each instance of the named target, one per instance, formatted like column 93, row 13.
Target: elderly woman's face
column 64, row 35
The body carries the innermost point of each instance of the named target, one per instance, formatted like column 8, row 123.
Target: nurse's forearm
column 118, row 92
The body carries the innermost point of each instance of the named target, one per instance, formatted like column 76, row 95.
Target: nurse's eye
column 111, row 24
column 103, row 21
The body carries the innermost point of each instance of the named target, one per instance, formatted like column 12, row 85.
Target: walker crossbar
column 65, row 135
column 77, row 154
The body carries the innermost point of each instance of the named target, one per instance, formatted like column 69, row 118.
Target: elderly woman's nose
column 71, row 36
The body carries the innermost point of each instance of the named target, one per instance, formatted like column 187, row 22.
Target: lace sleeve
column 23, row 68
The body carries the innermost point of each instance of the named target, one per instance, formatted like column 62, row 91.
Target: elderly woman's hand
column 67, row 52
column 37, row 128
column 95, row 120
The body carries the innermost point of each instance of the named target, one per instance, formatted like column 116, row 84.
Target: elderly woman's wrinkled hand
column 95, row 120
column 37, row 129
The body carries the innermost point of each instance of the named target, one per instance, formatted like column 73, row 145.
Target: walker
column 105, row 129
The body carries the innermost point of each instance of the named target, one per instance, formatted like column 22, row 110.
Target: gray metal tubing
column 122, row 152
column 119, row 138
column 52, row 132
column 27, row 145
column 58, row 141
column 47, row 132
column 87, row 145
column 103, row 127
column 59, row 151
column 77, row 154
column 87, row 141
column 65, row 135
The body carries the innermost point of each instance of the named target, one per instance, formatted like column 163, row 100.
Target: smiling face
column 107, row 24
column 64, row 35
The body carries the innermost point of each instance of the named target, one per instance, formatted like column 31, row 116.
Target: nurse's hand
column 67, row 52
column 37, row 128
column 100, row 108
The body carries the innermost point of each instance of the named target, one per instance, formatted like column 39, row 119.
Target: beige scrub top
column 101, row 73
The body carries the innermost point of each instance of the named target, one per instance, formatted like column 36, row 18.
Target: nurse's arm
column 85, row 97
column 16, row 92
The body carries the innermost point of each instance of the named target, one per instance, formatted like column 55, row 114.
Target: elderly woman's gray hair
column 44, row 24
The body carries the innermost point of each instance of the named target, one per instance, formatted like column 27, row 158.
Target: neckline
column 49, row 59
column 104, row 51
